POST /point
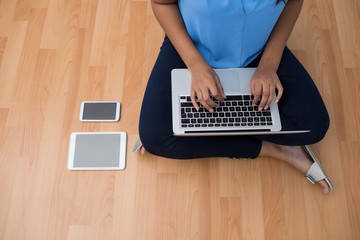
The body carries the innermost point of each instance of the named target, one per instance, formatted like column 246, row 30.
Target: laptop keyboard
column 235, row 111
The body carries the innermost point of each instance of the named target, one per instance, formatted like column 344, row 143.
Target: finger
column 193, row 100
column 264, row 96
column 214, row 92
column 257, row 94
column 206, row 101
column 280, row 91
column 271, row 96
column 206, row 106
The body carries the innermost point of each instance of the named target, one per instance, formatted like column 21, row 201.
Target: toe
column 324, row 186
column 143, row 151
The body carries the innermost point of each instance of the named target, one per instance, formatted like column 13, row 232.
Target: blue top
column 230, row 33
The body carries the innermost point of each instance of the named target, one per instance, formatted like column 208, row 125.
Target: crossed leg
column 301, row 108
column 293, row 155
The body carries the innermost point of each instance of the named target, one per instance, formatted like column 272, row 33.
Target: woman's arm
column 204, row 79
column 265, row 79
column 168, row 15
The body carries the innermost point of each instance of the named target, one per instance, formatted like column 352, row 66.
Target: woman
column 206, row 34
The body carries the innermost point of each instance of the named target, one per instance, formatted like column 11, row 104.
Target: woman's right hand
column 204, row 84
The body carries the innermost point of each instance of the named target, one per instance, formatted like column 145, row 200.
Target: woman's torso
column 230, row 33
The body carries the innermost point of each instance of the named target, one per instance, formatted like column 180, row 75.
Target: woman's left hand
column 263, row 85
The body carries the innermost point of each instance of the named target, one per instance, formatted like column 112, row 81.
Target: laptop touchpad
column 230, row 80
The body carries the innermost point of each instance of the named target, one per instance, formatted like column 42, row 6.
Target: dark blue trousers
column 301, row 107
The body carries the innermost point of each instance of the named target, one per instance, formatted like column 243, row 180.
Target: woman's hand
column 204, row 84
column 263, row 85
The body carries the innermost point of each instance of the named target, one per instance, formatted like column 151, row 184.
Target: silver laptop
column 234, row 116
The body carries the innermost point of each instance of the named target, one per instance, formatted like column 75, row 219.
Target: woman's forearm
column 276, row 43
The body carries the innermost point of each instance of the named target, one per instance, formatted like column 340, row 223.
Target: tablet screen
column 94, row 151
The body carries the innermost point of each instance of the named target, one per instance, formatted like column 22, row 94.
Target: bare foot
column 295, row 156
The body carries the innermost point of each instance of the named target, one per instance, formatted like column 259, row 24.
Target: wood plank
column 56, row 53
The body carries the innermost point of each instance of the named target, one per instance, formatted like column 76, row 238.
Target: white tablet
column 97, row 151
column 100, row 111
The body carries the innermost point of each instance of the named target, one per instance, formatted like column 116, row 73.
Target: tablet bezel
column 117, row 113
column 122, row 152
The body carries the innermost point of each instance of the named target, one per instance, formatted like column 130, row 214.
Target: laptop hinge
column 230, row 131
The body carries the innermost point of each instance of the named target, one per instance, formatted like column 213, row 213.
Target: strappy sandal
column 315, row 172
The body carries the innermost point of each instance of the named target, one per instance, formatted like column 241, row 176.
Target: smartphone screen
column 100, row 111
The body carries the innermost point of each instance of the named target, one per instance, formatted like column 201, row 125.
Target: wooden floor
column 56, row 53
